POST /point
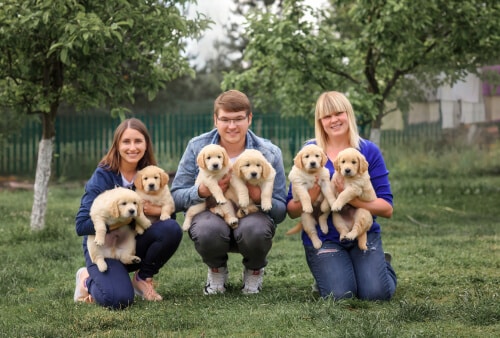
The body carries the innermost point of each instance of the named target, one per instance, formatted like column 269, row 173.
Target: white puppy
column 214, row 164
column 116, row 208
column 151, row 183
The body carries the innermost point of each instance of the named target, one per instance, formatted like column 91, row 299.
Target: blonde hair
column 327, row 104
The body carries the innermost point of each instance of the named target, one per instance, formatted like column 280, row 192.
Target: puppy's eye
column 257, row 165
column 124, row 203
column 354, row 162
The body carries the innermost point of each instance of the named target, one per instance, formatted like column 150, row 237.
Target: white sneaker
column 81, row 292
column 216, row 281
column 252, row 281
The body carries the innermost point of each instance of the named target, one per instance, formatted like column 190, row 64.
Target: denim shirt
column 185, row 192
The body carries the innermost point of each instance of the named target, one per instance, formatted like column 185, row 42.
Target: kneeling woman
column 342, row 270
column 131, row 151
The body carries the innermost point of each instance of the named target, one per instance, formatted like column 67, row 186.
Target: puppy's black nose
column 215, row 166
column 313, row 164
column 151, row 185
column 253, row 174
column 347, row 171
column 131, row 212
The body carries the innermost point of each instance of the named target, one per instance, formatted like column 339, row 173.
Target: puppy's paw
column 164, row 217
column 102, row 266
column 336, row 207
column 186, row 226
column 266, row 205
column 307, row 209
column 221, row 201
column 136, row 259
column 139, row 230
column 98, row 242
column 233, row 222
column 317, row 243
column 242, row 212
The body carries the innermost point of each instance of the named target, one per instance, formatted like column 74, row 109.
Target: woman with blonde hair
column 340, row 269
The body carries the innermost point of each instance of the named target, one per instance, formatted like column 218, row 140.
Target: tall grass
column 443, row 237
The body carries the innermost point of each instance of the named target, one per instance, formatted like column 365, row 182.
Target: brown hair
column 327, row 104
column 232, row 101
column 112, row 159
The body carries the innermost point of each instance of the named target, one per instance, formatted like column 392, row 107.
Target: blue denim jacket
column 185, row 192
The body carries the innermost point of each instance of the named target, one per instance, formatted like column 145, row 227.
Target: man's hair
column 232, row 101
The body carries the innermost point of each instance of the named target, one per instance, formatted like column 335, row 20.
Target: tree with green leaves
column 86, row 54
column 375, row 51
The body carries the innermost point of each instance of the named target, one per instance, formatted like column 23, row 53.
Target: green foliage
column 376, row 51
column 90, row 53
column 444, row 247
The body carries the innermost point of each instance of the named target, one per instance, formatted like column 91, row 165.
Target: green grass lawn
column 443, row 238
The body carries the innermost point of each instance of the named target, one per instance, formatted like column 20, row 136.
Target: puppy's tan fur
column 116, row 208
column 151, row 183
column 251, row 167
column 308, row 168
column 351, row 167
column 214, row 164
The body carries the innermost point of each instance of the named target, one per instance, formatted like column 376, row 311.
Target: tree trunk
column 41, row 188
column 375, row 135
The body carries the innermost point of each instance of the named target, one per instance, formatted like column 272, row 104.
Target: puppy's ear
column 163, row 179
column 225, row 158
column 297, row 161
column 363, row 164
column 140, row 210
column 324, row 158
column 237, row 167
column 266, row 169
column 115, row 210
column 336, row 164
column 200, row 160
column 138, row 182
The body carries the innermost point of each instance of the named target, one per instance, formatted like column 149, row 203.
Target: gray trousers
column 214, row 239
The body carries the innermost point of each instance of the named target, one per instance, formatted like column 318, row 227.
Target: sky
column 219, row 12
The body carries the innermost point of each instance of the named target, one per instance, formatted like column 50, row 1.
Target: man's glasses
column 237, row 121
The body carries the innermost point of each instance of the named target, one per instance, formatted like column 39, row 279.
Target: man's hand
column 254, row 192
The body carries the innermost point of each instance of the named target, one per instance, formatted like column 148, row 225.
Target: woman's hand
column 151, row 209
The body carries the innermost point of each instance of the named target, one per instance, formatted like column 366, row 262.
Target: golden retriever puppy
column 351, row 167
column 251, row 167
column 151, row 183
column 116, row 208
column 309, row 168
column 214, row 164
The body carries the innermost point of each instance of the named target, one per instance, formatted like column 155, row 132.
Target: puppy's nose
column 131, row 211
column 253, row 174
column 313, row 164
column 151, row 185
column 347, row 170
column 215, row 166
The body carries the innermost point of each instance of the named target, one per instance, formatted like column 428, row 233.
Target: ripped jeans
column 344, row 271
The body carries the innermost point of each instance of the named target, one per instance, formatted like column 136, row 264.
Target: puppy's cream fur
column 151, row 183
column 251, row 167
column 116, row 208
column 352, row 168
column 214, row 164
column 308, row 168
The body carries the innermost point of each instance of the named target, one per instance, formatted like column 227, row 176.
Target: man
column 212, row 237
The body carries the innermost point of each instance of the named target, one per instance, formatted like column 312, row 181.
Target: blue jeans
column 345, row 271
column 113, row 288
column 214, row 239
